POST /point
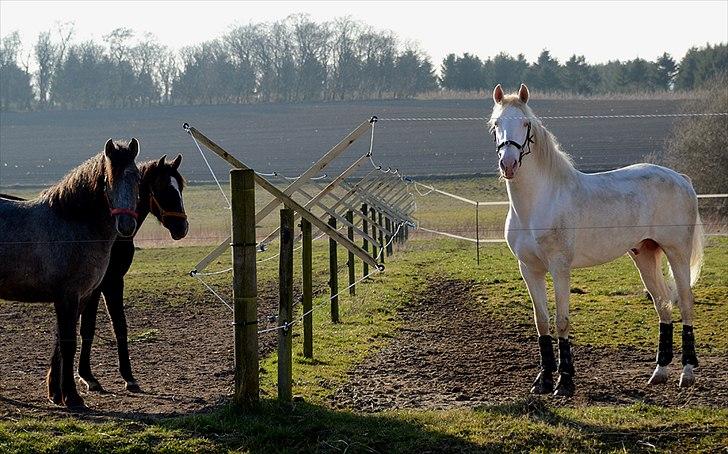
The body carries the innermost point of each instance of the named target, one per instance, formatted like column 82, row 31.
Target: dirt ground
column 446, row 354
column 182, row 360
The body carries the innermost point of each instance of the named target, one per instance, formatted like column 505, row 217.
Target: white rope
column 288, row 325
column 563, row 117
column 213, row 292
column 391, row 239
column 212, row 273
column 458, row 237
column 204, row 158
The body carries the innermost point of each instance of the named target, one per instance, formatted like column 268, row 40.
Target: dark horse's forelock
column 150, row 170
column 71, row 195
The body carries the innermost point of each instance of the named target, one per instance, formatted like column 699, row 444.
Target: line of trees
column 547, row 74
column 297, row 59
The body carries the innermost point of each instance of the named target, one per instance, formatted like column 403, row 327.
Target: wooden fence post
column 333, row 275
column 350, row 263
column 381, row 239
column 285, row 308
column 373, row 217
column 245, row 290
column 307, row 265
column 477, row 232
column 388, row 225
column 365, row 242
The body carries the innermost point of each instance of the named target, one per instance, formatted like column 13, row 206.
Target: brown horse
column 160, row 193
column 56, row 248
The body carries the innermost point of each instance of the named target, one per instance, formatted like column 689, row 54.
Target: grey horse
column 56, row 248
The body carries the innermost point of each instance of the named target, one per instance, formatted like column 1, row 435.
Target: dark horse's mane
column 81, row 193
column 149, row 169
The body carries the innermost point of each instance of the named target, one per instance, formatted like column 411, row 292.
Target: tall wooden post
column 373, row 217
column 307, row 265
column 388, row 225
column 477, row 232
column 381, row 239
column 333, row 275
column 245, row 288
column 285, row 308
column 350, row 263
column 365, row 242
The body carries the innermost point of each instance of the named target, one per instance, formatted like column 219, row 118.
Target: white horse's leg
column 647, row 258
column 536, row 283
column 680, row 264
column 562, row 280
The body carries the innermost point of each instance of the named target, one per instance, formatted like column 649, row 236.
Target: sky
column 601, row 31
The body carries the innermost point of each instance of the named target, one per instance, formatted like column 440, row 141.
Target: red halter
column 118, row 211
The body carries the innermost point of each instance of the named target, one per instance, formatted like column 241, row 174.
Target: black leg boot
column 689, row 358
column 565, row 385
column 664, row 354
column 544, row 383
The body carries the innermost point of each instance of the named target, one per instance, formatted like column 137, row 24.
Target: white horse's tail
column 696, row 259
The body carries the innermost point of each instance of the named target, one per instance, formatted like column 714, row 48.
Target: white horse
column 560, row 218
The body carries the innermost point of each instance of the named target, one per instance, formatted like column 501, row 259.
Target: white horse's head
column 511, row 130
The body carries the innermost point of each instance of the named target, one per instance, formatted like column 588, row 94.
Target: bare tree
column 46, row 55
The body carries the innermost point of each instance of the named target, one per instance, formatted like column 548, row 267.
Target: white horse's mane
column 546, row 150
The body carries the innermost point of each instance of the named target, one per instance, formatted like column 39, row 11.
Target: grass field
column 608, row 310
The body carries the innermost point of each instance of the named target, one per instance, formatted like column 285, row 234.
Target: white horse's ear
column 498, row 94
column 523, row 93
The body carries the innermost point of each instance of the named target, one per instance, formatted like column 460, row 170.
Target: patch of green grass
column 71, row 435
column 523, row 426
column 148, row 335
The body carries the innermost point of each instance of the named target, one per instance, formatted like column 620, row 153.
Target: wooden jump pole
column 242, row 189
column 279, row 195
column 307, row 265
column 333, row 275
column 350, row 262
column 286, row 199
column 285, row 308
column 365, row 243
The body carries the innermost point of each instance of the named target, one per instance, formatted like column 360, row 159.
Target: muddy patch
column 449, row 353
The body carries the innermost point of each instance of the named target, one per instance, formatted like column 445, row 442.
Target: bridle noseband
column 165, row 214
column 520, row 146
column 117, row 211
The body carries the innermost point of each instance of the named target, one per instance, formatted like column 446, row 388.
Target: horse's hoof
column 82, row 408
column 544, row 383
column 56, row 399
column 133, row 387
column 687, row 378
column 659, row 376
column 565, row 386
column 92, row 385
column 74, row 402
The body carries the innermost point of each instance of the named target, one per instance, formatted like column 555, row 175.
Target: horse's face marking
column 122, row 183
column 509, row 124
column 166, row 188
